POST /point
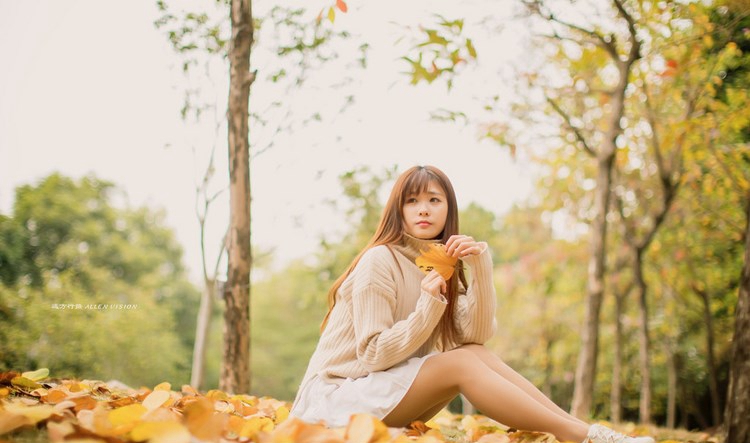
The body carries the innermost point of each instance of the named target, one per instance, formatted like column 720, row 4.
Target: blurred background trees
column 91, row 287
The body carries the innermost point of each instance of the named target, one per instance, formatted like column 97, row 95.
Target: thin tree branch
column 635, row 44
column 579, row 136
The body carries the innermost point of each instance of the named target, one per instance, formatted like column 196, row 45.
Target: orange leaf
column 83, row 402
column 364, row 428
column 54, row 396
column 435, row 257
column 203, row 422
column 341, row 5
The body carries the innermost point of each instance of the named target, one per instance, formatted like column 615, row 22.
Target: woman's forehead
column 428, row 186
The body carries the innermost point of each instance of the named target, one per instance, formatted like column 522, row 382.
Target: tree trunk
column 643, row 339
column 201, row 334
column 671, row 386
column 737, row 409
column 615, row 396
column 583, row 391
column 713, row 384
column 235, row 371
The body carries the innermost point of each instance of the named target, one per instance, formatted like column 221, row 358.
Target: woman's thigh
column 436, row 384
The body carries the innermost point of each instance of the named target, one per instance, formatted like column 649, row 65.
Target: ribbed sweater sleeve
column 382, row 342
column 475, row 311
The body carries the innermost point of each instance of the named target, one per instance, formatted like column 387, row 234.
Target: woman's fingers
column 462, row 245
column 434, row 284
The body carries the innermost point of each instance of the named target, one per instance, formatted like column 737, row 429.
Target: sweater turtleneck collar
column 412, row 246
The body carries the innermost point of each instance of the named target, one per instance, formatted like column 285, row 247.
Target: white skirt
column 378, row 393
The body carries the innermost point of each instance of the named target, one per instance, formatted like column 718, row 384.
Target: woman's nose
column 423, row 210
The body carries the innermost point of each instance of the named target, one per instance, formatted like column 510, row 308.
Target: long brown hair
column 391, row 231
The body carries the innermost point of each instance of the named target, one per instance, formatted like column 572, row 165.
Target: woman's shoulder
column 378, row 266
column 379, row 255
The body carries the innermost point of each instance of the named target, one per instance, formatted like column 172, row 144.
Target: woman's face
column 425, row 213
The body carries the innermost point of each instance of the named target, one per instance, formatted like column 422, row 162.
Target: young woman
column 399, row 344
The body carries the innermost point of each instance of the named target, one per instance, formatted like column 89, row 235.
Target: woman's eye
column 435, row 200
column 411, row 200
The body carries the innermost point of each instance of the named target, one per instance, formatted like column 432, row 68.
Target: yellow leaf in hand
column 435, row 257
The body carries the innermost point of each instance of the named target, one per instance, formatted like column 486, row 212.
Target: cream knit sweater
column 382, row 317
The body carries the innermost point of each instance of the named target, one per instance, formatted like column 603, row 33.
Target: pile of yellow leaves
column 94, row 411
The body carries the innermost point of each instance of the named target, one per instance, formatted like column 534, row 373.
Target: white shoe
column 602, row 434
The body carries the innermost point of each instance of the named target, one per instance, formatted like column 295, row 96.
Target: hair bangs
column 419, row 182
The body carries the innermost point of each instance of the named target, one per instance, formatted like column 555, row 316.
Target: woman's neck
column 412, row 246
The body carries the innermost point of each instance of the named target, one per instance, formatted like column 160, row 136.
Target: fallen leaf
column 39, row 374
column 163, row 386
column 203, row 422
column 495, row 437
column 282, row 413
column 126, row 414
column 34, row 414
column 54, row 396
column 364, row 428
column 156, row 399
column 56, row 432
column 23, row 382
column 6, row 377
column 83, row 402
column 10, row 422
column 160, row 432
column 252, row 426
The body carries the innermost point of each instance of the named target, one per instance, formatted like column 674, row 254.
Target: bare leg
column 444, row 375
column 496, row 364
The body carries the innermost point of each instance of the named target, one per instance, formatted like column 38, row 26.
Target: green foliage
column 362, row 206
column 11, row 250
column 99, row 290
column 439, row 52
column 287, row 309
column 540, row 281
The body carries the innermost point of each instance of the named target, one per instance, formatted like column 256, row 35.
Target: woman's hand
column 460, row 246
column 434, row 284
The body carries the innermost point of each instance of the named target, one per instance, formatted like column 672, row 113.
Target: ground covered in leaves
column 34, row 407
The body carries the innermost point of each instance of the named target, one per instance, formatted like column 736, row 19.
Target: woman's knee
column 480, row 350
column 458, row 363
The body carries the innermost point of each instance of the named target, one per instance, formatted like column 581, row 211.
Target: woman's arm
column 381, row 341
column 475, row 311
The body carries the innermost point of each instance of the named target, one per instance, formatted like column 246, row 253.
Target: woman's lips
column 423, row 224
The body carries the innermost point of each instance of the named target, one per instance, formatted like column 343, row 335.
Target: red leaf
column 341, row 5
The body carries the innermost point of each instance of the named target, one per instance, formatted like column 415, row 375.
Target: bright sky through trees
column 93, row 87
